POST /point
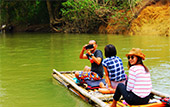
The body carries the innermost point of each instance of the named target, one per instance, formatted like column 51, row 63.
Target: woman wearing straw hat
column 139, row 84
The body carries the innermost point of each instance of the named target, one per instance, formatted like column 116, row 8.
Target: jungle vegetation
column 71, row 16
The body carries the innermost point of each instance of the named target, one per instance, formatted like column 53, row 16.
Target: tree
column 55, row 13
column 24, row 12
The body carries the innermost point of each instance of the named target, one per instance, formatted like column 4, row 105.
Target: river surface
column 27, row 60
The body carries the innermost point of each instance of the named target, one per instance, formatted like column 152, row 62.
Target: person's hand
column 88, row 52
column 84, row 47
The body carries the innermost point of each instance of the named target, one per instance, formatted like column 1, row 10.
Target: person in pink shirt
column 139, row 85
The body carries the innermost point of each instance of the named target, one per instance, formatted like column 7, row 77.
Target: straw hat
column 136, row 52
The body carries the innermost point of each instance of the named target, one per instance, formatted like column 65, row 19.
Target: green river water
column 27, row 60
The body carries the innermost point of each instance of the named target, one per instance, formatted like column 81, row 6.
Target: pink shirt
column 139, row 81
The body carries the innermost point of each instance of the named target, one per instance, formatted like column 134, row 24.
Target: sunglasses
column 130, row 57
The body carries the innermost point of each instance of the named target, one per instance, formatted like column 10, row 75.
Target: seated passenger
column 139, row 84
column 95, row 57
column 114, row 71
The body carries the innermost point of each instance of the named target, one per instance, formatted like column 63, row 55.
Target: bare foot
column 77, row 74
column 101, row 85
column 106, row 90
column 87, row 69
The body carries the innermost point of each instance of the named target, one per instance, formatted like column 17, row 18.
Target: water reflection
column 27, row 60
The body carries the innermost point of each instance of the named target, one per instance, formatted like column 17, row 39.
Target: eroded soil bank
column 153, row 20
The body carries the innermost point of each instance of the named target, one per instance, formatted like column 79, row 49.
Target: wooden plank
column 94, row 99
column 60, row 80
column 101, row 96
column 67, row 72
column 72, row 75
column 159, row 93
column 150, row 105
column 66, row 78
column 70, row 88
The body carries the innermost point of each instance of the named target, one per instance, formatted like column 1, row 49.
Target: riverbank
column 33, row 28
column 154, row 19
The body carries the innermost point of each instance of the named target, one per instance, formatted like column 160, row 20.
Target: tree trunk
column 53, row 20
column 51, row 16
column 164, row 2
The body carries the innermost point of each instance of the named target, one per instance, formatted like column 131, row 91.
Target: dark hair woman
column 139, row 84
column 110, row 50
column 114, row 71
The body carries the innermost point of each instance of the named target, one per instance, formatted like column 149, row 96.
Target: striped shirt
column 139, row 81
column 115, row 68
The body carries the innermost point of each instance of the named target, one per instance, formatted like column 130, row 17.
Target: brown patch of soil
column 153, row 20
column 116, row 25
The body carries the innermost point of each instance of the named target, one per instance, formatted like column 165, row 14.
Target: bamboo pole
column 96, row 100
column 67, row 85
column 60, row 80
column 159, row 93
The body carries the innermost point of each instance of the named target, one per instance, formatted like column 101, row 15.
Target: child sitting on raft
column 114, row 71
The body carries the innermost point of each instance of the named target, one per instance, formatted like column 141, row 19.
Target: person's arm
column 97, row 60
column 107, row 77
column 131, row 80
column 82, row 55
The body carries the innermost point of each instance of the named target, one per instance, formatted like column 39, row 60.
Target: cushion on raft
column 91, row 88
column 94, row 84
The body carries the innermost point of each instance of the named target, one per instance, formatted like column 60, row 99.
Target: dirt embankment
column 153, row 20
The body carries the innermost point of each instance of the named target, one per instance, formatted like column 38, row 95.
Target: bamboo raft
column 96, row 98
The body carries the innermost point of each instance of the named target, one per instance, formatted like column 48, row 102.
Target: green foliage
column 24, row 12
column 85, row 15
column 80, row 9
column 80, row 14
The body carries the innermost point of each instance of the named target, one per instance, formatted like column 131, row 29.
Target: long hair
column 139, row 61
column 110, row 50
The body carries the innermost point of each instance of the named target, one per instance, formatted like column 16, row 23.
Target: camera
column 89, row 47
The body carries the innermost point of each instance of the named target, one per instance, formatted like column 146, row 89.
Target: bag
column 166, row 101
column 94, row 84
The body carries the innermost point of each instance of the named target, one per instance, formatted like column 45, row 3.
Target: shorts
column 88, row 76
column 114, row 83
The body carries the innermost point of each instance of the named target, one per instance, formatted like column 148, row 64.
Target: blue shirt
column 115, row 68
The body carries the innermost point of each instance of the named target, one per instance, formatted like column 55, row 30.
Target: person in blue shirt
column 114, row 71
